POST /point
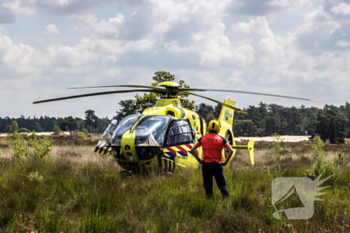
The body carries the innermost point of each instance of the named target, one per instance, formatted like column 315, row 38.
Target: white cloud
column 196, row 40
column 106, row 27
column 318, row 15
column 341, row 9
column 287, row 3
column 264, row 7
column 19, row 58
column 52, row 29
column 343, row 43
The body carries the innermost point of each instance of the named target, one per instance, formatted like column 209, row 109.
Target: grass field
column 76, row 190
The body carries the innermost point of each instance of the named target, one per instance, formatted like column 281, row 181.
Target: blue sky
column 287, row 47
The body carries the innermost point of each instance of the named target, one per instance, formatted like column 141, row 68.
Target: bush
column 42, row 147
column 33, row 136
column 81, row 136
column 277, row 140
column 323, row 166
column 24, row 130
column 85, row 131
column 14, row 127
column 56, row 130
column 318, row 146
column 34, row 176
column 0, row 154
column 341, row 157
column 19, row 148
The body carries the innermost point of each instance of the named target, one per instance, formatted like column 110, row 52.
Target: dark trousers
column 214, row 169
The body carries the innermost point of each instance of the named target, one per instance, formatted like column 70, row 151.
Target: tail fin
column 227, row 114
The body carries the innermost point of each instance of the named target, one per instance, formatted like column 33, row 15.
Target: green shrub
column 42, row 147
column 341, row 157
column 24, row 130
column 277, row 140
column 14, row 127
column 0, row 153
column 323, row 166
column 85, row 131
column 318, row 146
column 34, row 176
column 56, row 130
column 33, row 136
column 19, row 148
column 81, row 136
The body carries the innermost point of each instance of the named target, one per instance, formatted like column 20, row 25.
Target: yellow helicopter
column 164, row 134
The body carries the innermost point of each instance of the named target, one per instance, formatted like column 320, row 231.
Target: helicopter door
column 176, row 149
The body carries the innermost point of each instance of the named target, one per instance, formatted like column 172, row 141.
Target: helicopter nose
column 128, row 146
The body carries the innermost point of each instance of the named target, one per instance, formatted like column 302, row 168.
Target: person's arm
column 195, row 154
column 230, row 152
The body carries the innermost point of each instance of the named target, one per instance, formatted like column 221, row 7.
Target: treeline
column 91, row 123
column 331, row 122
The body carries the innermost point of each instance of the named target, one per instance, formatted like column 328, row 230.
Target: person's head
column 214, row 126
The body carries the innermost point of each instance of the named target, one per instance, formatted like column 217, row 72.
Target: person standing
column 212, row 145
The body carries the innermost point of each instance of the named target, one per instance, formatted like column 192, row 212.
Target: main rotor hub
column 172, row 87
column 169, row 84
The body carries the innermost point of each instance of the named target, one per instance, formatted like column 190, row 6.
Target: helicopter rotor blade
column 218, row 102
column 138, row 86
column 93, row 94
column 248, row 92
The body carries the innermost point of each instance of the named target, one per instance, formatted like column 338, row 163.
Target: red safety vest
column 212, row 145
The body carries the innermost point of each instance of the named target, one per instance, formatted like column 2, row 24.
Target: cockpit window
column 150, row 131
column 180, row 132
column 109, row 131
column 125, row 125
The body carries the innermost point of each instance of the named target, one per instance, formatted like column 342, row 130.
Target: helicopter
column 164, row 134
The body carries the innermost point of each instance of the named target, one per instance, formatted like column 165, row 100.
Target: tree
column 217, row 110
column 70, row 123
column 331, row 124
column 7, row 128
column 56, row 130
column 126, row 109
column 80, row 124
column 149, row 100
column 210, row 117
column 244, row 128
column 204, row 110
column 14, row 127
column 90, row 119
column 22, row 129
column 37, row 127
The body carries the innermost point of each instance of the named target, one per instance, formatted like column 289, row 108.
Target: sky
column 285, row 47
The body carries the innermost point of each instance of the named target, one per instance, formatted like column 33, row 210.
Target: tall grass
column 74, row 190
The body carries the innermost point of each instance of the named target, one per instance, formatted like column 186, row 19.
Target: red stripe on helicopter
column 106, row 151
column 189, row 146
column 171, row 150
column 182, row 149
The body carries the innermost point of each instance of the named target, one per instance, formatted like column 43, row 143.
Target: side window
column 180, row 132
column 109, row 131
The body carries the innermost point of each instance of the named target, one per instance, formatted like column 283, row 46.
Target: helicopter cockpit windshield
column 109, row 131
column 150, row 131
column 125, row 125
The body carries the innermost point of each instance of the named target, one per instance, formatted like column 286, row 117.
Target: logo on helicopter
column 227, row 115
